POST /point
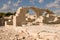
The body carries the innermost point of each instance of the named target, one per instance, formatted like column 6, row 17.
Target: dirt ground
column 28, row 32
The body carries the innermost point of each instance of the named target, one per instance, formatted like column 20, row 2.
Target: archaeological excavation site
column 30, row 23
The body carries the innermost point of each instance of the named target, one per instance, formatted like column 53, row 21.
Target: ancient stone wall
column 21, row 17
column 21, row 14
column 10, row 22
column 38, row 11
column 2, row 21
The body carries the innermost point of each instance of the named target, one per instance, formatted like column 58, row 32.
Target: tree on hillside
column 8, row 14
column 2, row 14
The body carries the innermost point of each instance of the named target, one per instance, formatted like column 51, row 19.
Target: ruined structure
column 28, row 32
column 9, row 20
column 2, row 22
column 22, row 16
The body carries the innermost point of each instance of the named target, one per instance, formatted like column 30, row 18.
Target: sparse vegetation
column 2, row 14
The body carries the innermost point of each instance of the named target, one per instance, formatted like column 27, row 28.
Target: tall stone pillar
column 14, row 21
column 5, row 23
column 19, row 18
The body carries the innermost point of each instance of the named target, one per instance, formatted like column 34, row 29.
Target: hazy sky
column 13, row 5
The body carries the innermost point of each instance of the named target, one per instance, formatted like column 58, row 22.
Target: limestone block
column 21, row 16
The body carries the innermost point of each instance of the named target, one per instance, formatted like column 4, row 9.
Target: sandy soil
column 29, row 32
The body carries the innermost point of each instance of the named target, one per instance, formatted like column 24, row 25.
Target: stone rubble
column 29, row 33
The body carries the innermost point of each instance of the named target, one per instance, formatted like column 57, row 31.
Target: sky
column 13, row 5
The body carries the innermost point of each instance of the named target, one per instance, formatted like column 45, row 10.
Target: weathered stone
column 22, row 17
column 2, row 21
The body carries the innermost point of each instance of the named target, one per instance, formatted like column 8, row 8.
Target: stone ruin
column 22, row 17
column 41, row 16
column 2, row 22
